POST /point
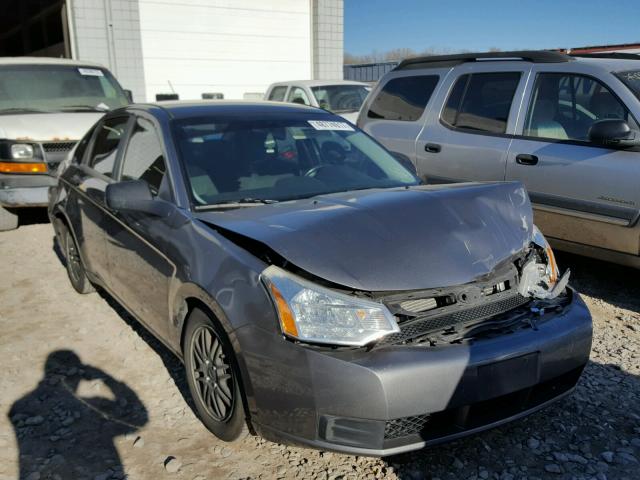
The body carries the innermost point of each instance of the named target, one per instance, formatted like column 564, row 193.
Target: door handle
column 432, row 147
column 526, row 159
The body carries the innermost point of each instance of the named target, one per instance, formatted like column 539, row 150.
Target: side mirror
column 612, row 132
column 135, row 196
column 129, row 95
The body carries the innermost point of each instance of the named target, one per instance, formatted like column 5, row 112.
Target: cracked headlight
column 312, row 313
column 539, row 276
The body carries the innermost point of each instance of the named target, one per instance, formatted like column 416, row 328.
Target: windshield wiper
column 237, row 203
column 82, row 108
column 23, row 110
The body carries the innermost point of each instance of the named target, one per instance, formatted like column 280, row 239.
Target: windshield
column 55, row 88
column 341, row 98
column 268, row 160
column 631, row 79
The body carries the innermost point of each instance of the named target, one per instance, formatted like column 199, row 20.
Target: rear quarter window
column 403, row 98
column 277, row 94
column 481, row 101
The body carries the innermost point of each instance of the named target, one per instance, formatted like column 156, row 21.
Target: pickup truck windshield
column 631, row 79
column 340, row 98
column 246, row 161
column 56, row 88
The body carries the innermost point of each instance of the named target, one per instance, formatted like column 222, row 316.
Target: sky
column 478, row 25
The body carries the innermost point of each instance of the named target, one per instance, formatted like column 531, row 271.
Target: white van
column 46, row 106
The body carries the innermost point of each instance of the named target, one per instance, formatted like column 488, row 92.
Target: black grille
column 58, row 147
column 403, row 427
column 415, row 328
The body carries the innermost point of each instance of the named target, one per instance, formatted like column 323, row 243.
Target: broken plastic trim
column 538, row 277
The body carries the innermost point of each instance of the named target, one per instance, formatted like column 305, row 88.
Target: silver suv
column 566, row 126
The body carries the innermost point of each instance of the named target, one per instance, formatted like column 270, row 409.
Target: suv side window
column 564, row 106
column 105, row 145
column 144, row 159
column 481, row 101
column 277, row 94
column 403, row 98
column 298, row 95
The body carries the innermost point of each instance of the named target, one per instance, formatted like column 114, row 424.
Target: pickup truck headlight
column 21, row 151
column 312, row 313
column 540, row 275
column 21, row 157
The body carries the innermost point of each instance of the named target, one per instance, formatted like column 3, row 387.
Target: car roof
column 611, row 61
column 46, row 61
column 318, row 83
column 195, row 108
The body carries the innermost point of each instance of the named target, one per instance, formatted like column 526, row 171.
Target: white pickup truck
column 46, row 106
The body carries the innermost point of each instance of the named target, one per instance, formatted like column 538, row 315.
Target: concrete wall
column 229, row 46
column 191, row 47
column 328, row 39
column 108, row 32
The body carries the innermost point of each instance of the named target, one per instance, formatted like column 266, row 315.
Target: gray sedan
column 316, row 292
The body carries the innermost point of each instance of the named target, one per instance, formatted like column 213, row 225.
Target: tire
column 75, row 267
column 214, row 386
column 8, row 220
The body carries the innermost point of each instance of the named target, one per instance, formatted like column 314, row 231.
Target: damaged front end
column 522, row 293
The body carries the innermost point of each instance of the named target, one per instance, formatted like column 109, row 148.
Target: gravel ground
column 87, row 393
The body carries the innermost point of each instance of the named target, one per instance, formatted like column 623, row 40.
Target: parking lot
column 87, row 393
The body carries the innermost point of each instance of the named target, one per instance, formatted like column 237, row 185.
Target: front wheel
column 213, row 377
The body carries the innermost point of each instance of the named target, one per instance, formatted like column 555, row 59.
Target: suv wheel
column 213, row 379
column 8, row 220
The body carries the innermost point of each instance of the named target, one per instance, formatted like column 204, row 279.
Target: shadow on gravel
column 32, row 216
column 592, row 433
column 171, row 363
column 609, row 282
column 63, row 433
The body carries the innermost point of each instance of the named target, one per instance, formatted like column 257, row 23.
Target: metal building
column 368, row 72
column 187, row 47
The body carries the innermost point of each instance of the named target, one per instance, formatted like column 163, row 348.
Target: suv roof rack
column 535, row 56
column 618, row 55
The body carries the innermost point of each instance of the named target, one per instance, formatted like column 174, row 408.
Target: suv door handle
column 526, row 159
column 432, row 147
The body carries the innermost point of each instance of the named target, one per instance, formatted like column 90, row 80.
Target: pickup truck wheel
column 75, row 268
column 213, row 379
column 8, row 220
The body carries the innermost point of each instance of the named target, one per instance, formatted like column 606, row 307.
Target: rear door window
column 105, row 145
column 481, row 101
column 403, row 98
column 278, row 93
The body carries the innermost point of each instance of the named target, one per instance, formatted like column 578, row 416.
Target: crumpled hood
column 47, row 126
column 394, row 239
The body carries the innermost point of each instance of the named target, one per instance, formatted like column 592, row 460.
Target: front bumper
column 25, row 190
column 400, row 398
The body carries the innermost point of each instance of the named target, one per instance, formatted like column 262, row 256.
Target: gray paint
column 152, row 266
column 345, row 238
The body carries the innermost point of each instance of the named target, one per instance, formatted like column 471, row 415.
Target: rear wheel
column 75, row 268
column 213, row 377
column 8, row 220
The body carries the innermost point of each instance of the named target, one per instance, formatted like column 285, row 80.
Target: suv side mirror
column 129, row 95
column 135, row 196
column 612, row 132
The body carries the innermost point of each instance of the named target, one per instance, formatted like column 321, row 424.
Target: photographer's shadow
column 64, row 433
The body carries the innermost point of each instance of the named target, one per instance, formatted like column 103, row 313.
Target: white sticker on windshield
column 327, row 125
column 92, row 72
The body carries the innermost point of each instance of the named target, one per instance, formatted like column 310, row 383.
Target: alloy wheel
column 212, row 374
